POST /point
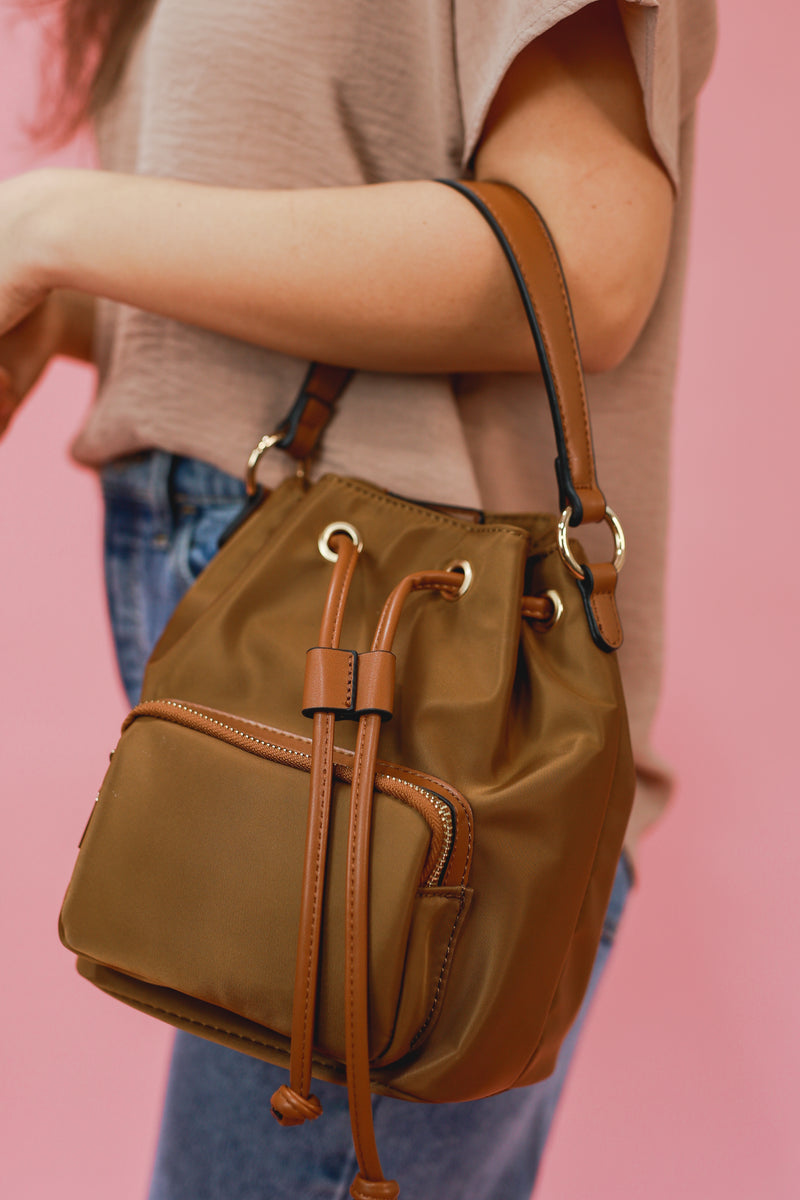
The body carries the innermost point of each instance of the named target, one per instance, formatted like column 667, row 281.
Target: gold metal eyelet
column 558, row 611
column 612, row 520
column 338, row 527
column 463, row 567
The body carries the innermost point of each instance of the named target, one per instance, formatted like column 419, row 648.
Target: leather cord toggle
column 367, row 1189
column 290, row 1108
column 375, row 690
column 347, row 685
column 330, row 682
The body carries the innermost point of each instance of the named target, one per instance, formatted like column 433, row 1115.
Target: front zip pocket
column 190, row 875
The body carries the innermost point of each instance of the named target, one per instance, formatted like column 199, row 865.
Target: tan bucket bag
column 366, row 819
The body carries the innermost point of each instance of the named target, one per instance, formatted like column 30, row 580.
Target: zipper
column 444, row 818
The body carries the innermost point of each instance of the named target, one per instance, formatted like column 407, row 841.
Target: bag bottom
column 212, row 1023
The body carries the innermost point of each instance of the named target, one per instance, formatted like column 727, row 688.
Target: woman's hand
column 22, row 278
column 61, row 324
column 29, row 319
column 25, row 352
column 36, row 323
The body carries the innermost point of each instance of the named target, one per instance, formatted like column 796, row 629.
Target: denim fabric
column 218, row 1140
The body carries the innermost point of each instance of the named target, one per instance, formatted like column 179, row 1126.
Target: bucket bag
column 365, row 820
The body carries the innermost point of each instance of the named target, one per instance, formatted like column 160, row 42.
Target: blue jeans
column 219, row 1140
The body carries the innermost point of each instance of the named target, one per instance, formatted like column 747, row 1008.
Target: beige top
column 299, row 93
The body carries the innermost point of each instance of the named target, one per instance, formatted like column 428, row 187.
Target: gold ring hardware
column 330, row 530
column 611, row 520
column 267, row 442
column 465, row 568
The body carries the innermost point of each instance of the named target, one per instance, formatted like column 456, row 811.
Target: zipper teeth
column 239, row 732
column 442, row 809
column 447, row 825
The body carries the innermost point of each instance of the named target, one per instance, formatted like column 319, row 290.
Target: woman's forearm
column 390, row 277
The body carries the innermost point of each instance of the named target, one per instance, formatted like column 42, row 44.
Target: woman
column 266, row 199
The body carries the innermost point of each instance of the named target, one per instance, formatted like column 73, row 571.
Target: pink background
column 686, row 1083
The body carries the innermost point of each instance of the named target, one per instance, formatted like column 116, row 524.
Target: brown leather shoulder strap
column 526, row 242
column 525, row 239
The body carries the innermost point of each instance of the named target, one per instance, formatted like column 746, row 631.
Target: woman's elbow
column 614, row 289
column 609, row 331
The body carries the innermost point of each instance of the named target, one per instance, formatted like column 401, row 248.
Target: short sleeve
column 671, row 42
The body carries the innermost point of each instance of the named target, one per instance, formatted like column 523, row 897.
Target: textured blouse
column 308, row 93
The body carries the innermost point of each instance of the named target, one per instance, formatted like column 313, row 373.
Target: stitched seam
column 440, row 980
column 328, row 692
column 433, row 517
column 575, row 359
column 545, row 339
column 168, row 1012
column 222, row 725
column 617, row 628
column 462, row 804
column 431, row 587
column 342, row 596
column 349, row 689
column 383, row 620
column 449, row 893
column 381, row 630
column 324, row 750
column 355, row 1111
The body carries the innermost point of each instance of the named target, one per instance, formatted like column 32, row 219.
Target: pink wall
column 686, row 1082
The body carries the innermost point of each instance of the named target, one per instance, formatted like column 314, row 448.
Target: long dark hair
column 85, row 45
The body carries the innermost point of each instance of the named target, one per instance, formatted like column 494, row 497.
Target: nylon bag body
column 528, row 727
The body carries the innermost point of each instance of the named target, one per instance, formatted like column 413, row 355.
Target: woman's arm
column 389, row 277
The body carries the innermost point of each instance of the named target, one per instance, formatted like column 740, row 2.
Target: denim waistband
column 155, row 477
